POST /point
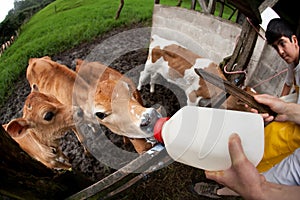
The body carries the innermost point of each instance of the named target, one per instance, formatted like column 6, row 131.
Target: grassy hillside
column 64, row 24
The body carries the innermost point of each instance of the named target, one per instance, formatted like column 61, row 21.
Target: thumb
column 264, row 98
column 235, row 149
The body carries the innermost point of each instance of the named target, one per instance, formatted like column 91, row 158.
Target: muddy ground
column 171, row 182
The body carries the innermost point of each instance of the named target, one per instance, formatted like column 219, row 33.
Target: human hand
column 242, row 177
column 276, row 104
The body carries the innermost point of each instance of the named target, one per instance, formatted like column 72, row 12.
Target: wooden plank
column 165, row 160
column 248, row 8
column 23, row 177
column 239, row 46
column 243, row 51
column 234, row 91
column 267, row 3
column 146, row 163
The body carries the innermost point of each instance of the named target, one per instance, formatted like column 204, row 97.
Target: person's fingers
column 235, row 149
column 264, row 115
column 253, row 110
column 268, row 119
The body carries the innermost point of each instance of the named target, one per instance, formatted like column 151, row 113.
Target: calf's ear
column 46, row 57
column 31, row 60
column 4, row 126
column 34, row 88
column 17, row 127
column 78, row 64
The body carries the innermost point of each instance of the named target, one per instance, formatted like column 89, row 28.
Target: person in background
column 284, row 40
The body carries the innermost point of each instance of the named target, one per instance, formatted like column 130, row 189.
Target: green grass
column 64, row 24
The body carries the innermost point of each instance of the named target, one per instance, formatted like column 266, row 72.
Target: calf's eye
column 49, row 116
column 101, row 115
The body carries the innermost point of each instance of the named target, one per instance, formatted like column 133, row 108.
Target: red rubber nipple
column 158, row 127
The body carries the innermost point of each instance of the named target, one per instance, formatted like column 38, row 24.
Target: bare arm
column 243, row 178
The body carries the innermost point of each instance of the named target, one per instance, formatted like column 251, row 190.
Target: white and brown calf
column 176, row 64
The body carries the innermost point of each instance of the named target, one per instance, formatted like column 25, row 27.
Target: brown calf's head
column 117, row 109
column 45, row 120
column 116, row 101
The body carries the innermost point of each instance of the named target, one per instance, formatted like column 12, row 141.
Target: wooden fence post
column 119, row 9
column 243, row 50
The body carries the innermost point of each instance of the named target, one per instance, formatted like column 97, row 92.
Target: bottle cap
column 158, row 127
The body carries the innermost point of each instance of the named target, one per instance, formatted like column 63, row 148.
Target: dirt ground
column 171, row 182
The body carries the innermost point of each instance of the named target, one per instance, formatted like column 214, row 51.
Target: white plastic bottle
column 198, row 136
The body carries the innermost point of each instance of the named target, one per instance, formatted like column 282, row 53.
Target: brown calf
column 45, row 120
column 110, row 98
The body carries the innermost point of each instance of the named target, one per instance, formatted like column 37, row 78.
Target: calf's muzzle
column 148, row 121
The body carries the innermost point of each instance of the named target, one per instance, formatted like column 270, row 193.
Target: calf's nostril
column 145, row 120
column 80, row 112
